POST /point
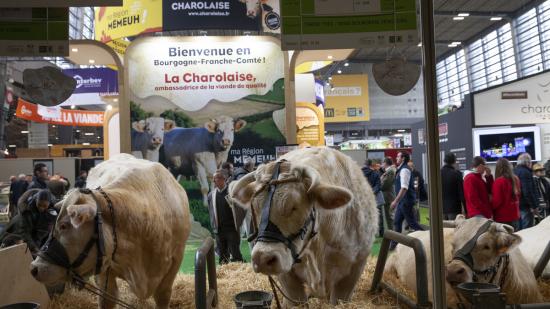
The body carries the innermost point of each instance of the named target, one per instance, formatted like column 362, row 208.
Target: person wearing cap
column 477, row 188
column 528, row 202
column 543, row 188
column 35, row 220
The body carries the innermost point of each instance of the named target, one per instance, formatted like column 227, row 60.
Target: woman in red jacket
column 506, row 192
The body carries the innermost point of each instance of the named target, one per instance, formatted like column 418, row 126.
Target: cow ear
column 210, row 126
column 243, row 189
column 137, row 127
column 327, row 196
column 81, row 213
column 459, row 220
column 266, row 7
column 239, row 124
column 505, row 239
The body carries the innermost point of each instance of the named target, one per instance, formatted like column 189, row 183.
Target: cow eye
column 486, row 247
column 63, row 226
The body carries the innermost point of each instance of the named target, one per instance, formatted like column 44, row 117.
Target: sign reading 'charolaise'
column 192, row 72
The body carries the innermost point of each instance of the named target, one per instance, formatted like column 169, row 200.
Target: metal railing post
column 204, row 258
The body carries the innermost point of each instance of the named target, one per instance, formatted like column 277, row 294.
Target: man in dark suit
column 453, row 188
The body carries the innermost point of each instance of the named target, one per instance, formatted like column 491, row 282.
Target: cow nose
column 34, row 271
column 266, row 262
column 455, row 274
column 251, row 13
column 226, row 142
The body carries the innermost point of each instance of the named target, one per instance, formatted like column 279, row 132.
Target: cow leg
column 205, row 169
column 293, row 286
column 164, row 290
column 200, row 171
column 343, row 289
column 111, row 289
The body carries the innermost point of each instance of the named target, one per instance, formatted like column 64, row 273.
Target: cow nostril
column 34, row 271
column 461, row 271
column 271, row 261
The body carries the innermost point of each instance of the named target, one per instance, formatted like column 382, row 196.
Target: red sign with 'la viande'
column 65, row 117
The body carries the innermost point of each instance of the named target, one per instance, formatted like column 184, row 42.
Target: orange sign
column 29, row 111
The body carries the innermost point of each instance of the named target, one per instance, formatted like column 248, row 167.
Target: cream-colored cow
column 152, row 226
column 326, row 185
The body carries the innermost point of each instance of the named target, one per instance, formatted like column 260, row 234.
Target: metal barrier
column 204, row 258
column 543, row 261
column 422, row 300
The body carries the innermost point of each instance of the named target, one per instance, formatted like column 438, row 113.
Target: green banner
column 35, row 24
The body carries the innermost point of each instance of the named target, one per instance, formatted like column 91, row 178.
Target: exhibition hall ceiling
column 448, row 29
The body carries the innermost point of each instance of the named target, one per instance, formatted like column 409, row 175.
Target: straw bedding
column 235, row 278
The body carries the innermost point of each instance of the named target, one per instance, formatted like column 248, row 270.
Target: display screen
column 495, row 144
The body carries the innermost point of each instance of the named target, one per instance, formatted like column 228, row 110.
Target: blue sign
column 212, row 14
column 95, row 80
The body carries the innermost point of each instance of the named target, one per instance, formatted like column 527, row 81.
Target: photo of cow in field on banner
column 224, row 104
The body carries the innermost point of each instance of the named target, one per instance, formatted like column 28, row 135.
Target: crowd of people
column 31, row 208
column 518, row 196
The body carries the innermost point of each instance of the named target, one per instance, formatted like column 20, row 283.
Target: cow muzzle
column 271, row 259
column 47, row 273
column 251, row 13
column 157, row 141
column 457, row 272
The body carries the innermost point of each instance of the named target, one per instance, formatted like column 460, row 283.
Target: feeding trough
column 21, row 306
column 481, row 295
column 253, row 300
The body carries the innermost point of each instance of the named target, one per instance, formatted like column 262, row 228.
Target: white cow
column 147, row 137
column 535, row 240
column 319, row 183
column 152, row 225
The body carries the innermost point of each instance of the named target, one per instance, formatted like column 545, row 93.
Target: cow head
column 252, row 7
column 74, row 227
column 225, row 127
column 154, row 126
column 494, row 240
column 299, row 189
column 169, row 124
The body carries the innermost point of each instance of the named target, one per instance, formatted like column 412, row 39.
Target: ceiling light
column 115, row 100
column 12, row 146
column 401, row 130
column 73, row 106
column 330, row 78
column 109, row 107
column 419, row 44
column 50, row 145
column 456, row 43
column 99, row 137
column 346, row 64
column 91, row 61
column 451, row 45
column 329, row 57
column 77, row 130
column 85, row 144
column 25, row 132
column 398, row 135
column 458, row 18
column 463, row 14
column 53, row 126
column 74, row 50
column 89, row 133
column 497, row 18
column 339, row 72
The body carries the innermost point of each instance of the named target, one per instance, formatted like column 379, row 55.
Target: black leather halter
column 54, row 252
column 270, row 232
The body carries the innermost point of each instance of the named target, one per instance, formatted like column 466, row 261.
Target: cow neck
column 270, row 232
